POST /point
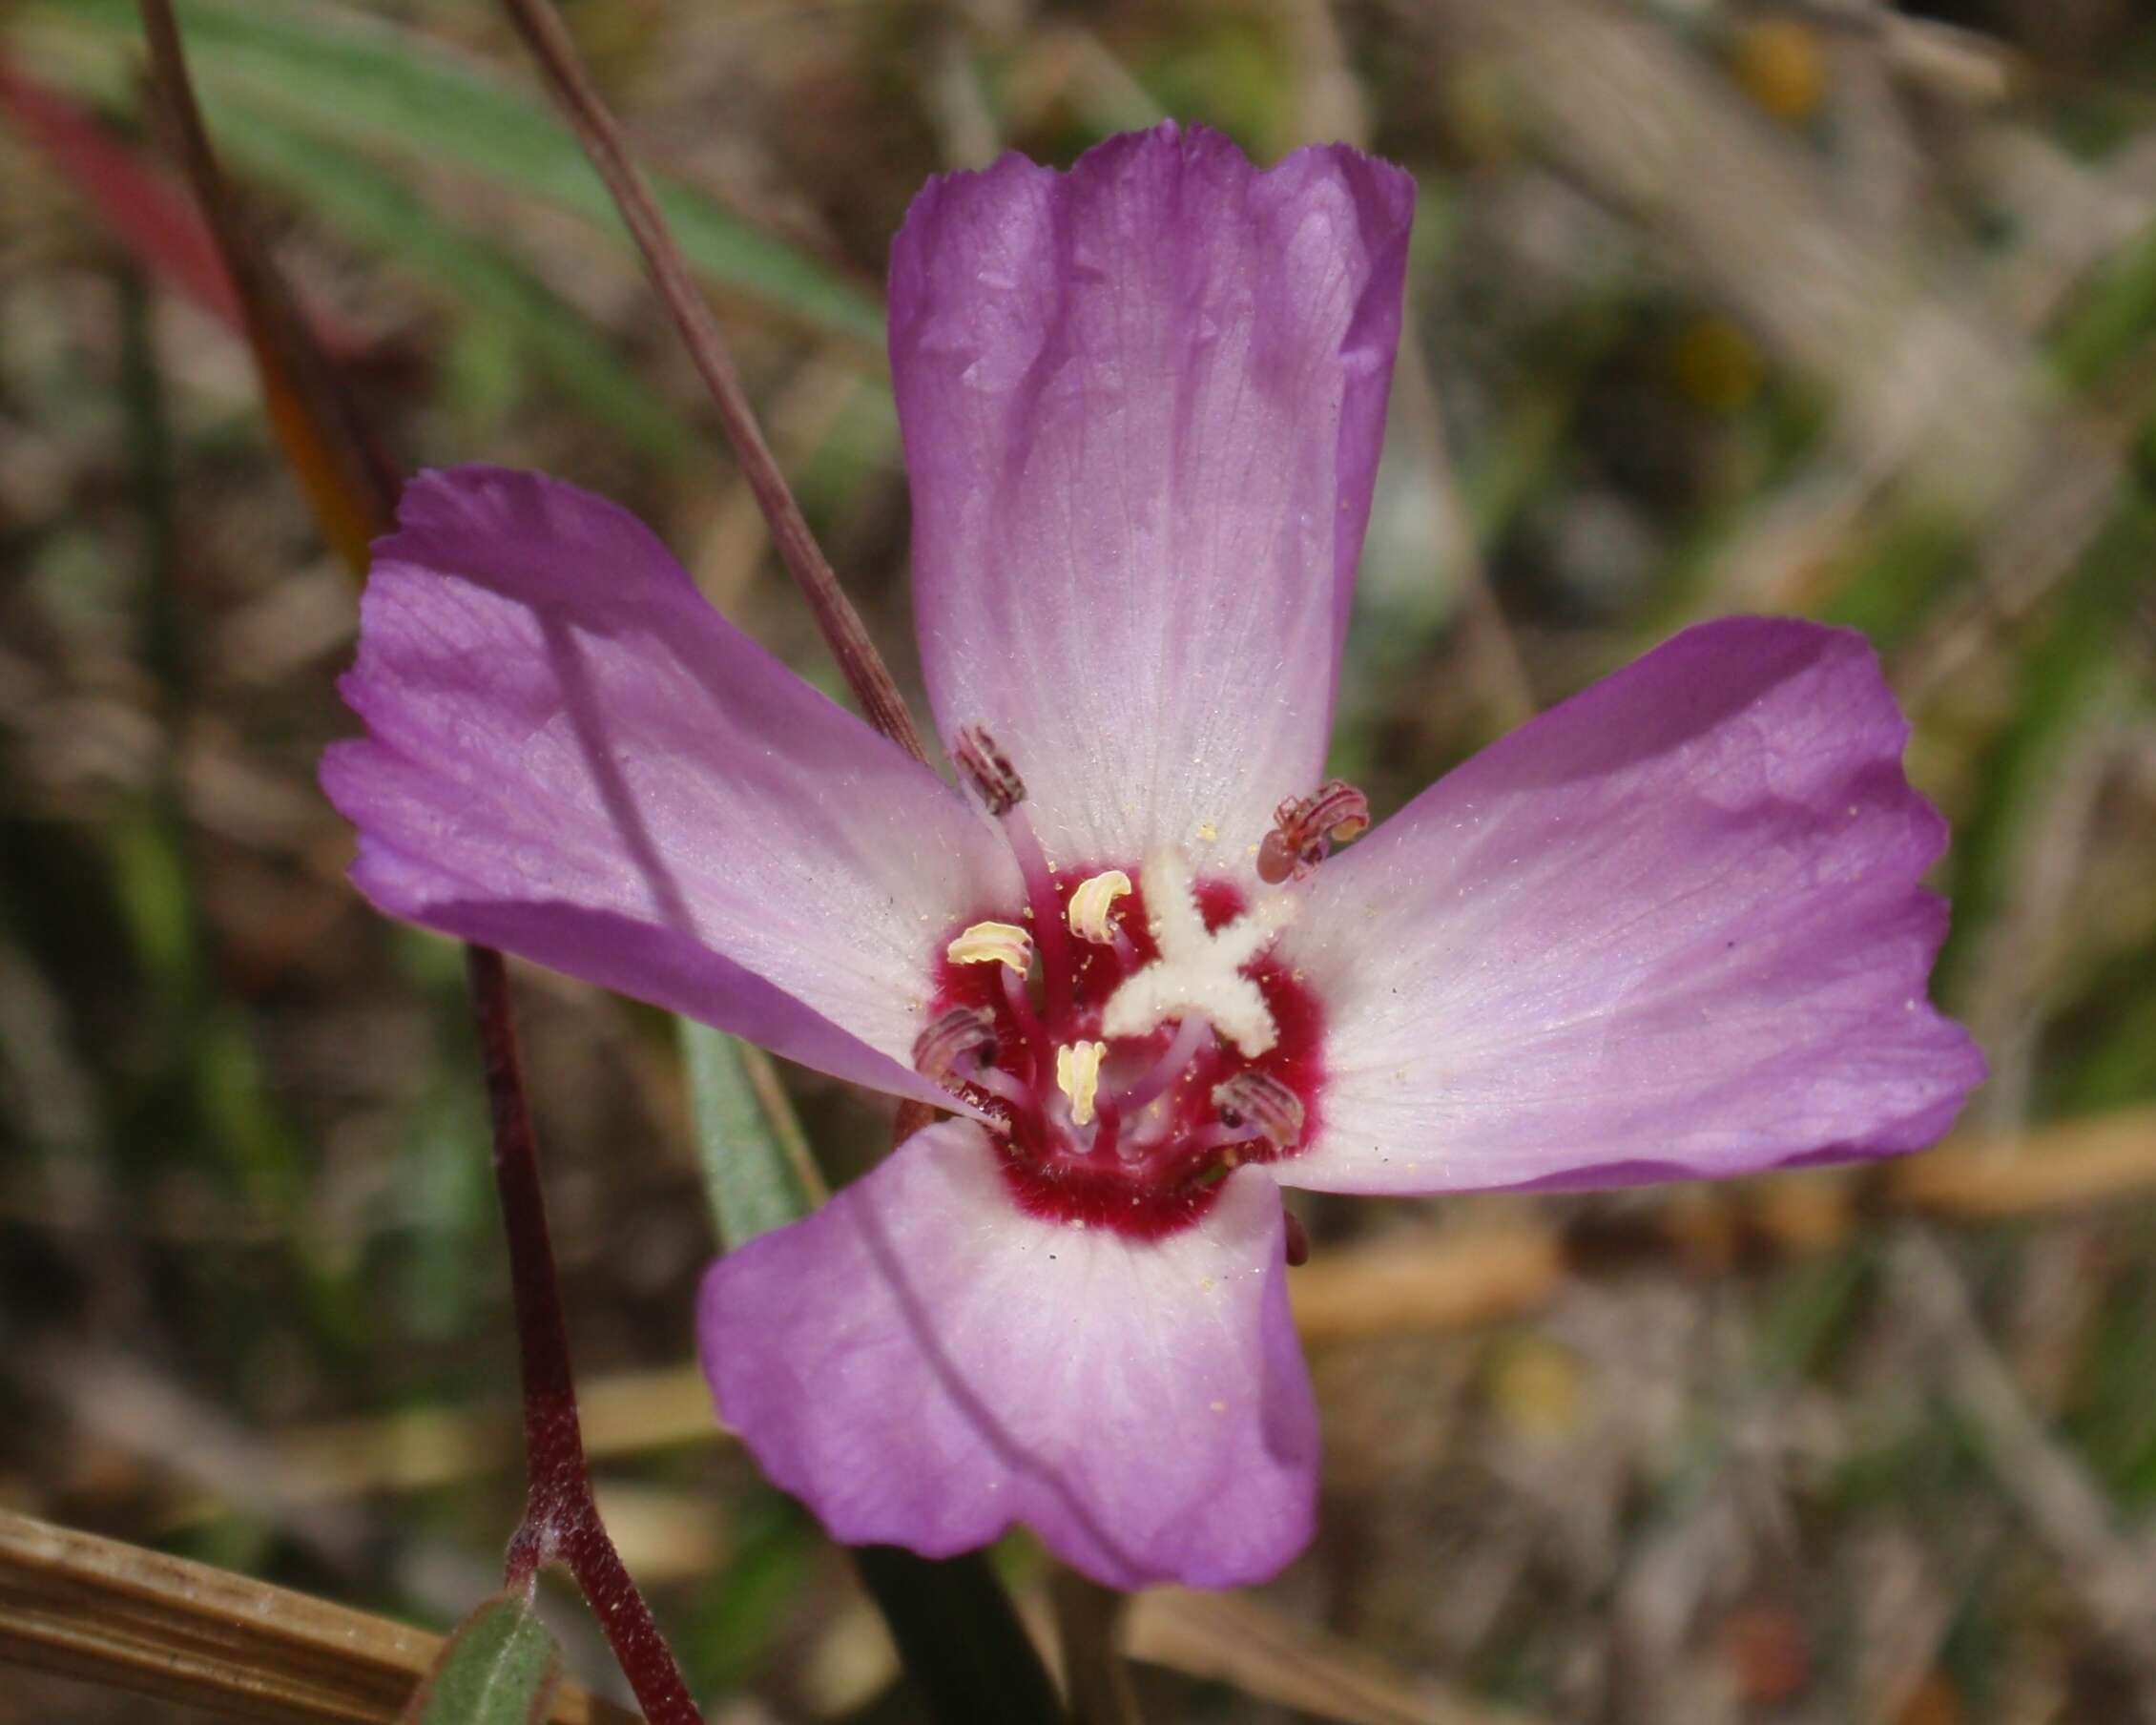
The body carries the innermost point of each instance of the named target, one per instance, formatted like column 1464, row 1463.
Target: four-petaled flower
column 1670, row 928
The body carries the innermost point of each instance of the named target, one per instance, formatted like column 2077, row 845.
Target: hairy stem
column 561, row 1519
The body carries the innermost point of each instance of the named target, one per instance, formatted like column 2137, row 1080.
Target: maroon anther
column 1298, row 1240
column 1306, row 829
column 987, row 769
column 962, row 1032
column 1263, row 1103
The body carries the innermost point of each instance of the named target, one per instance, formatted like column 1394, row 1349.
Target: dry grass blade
column 1088, row 1622
column 153, row 1624
column 1415, row 1281
column 2075, row 1162
column 1239, row 1640
column 2116, row 1578
column 1421, row 1280
column 1409, row 1281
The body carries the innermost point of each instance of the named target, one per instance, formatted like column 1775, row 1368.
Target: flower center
column 1132, row 1043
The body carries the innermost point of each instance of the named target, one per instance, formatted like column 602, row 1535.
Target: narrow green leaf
column 358, row 82
column 957, row 1632
column 2114, row 312
column 758, row 1173
column 380, row 212
column 500, row 1667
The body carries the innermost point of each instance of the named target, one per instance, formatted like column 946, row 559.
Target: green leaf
column 758, row 1173
column 380, row 212
column 355, row 82
column 500, row 1667
column 957, row 1634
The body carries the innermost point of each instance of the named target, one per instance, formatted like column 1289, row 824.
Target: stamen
column 1028, row 1022
column 993, row 944
column 1193, row 1033
column 1078, row 1076
column 961, row 1039
column 960, row 1050
column 1041, row 900
column 1306, row 829
column 987, row 769
column 1262, row 1104
column 1092, row 904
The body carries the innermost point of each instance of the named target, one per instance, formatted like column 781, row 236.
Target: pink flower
column 1671, row 928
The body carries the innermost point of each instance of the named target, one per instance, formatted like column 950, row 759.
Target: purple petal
column 1672, row 927
column 924, row 1365
column 1141, row 403
column 571, row 756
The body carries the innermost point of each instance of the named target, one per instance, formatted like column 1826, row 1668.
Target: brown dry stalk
column 1423, row 1280
column 151, row 1624
column 604, row 142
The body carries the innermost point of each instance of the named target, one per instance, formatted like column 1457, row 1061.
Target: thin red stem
column 353, row 493
column 561, row 1519
column 604, row 142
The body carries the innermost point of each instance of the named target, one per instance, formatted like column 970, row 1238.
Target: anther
column 1262, row 1104
column 1078, row 1076
column 1092, row 906
column 987, row 769
column 993, row 944
column 961, row 1039
column 1306, row 829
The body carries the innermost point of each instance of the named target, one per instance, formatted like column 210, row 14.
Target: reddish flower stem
column 601, row 135
column 352, row 492
column 561, row 1519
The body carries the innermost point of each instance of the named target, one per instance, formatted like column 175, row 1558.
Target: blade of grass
column 381, row 213
column 362, row 83
column 144, row 211
column 370, row 206
column 758, row 1173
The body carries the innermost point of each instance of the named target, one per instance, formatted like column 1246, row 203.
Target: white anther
column 1093, row 903
column 993, row 944
column 1198, row 970
column 1078, row 1076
